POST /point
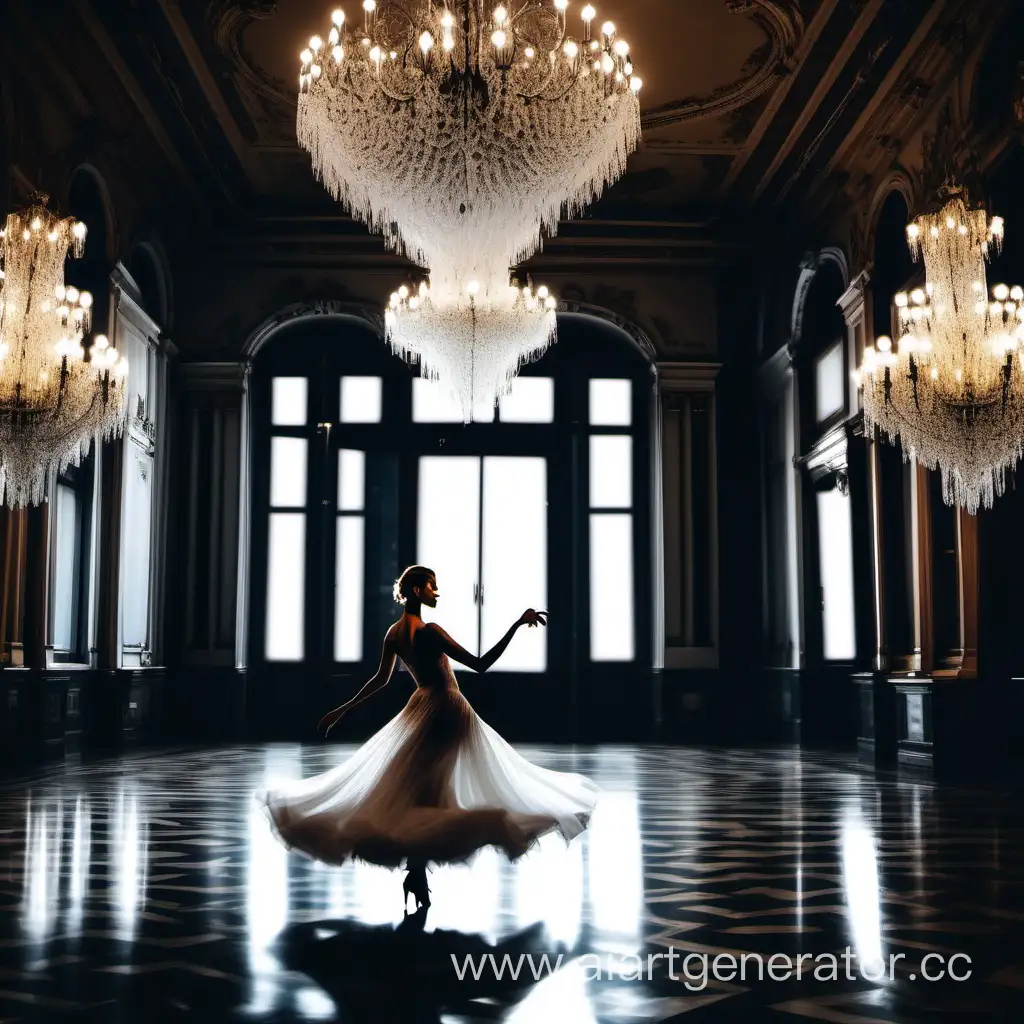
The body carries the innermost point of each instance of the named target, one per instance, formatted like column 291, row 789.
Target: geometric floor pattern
column 712, row 884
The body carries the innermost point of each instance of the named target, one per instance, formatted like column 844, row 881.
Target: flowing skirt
column 435, row 784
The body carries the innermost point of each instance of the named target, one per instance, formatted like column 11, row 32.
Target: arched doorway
column 359, row 467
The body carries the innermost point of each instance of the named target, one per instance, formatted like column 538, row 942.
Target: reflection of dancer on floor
column 436, row 783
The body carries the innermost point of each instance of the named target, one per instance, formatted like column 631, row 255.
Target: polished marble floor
column 148, row 887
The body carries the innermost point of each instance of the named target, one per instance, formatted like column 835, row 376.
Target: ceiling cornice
column 783, row 24
column 243, row 152
column 134, row 89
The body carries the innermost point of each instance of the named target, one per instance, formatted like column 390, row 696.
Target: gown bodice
column 426, row 661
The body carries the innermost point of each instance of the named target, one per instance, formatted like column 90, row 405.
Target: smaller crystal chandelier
column 952, row 392
column 55, row 396
column 471, row 340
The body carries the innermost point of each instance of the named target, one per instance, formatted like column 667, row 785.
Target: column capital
column 230, row 376
column 852, row 301
column 687, row 377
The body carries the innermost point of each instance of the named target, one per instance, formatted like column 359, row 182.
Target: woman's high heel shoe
column 416, row 883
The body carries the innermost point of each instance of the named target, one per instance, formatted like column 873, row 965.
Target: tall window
column 610, row 415
column 287, row 521
column 835, row 541
column 362, row 467
column 71, row 562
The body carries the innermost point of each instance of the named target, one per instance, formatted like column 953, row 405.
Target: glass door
column 482, row 526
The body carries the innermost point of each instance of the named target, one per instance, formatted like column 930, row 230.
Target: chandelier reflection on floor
column 951, row 391
column 54, row 397
column 463, row 132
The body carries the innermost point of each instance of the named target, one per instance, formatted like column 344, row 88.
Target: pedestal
column 876, row 722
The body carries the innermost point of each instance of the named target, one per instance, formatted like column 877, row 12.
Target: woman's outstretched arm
column 377, row 681
column 482, row 664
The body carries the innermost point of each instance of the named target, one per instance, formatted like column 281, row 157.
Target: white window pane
column 289, row 402
column 829, row 383
column 611, row 471
column 360, row 399
column 448, row 541
column 835, row 547
column 348, row 589
column 531, row 400
column 66, row 576
column 432, row 403
column 611, row 588
column 611, row 402
column 287, row 472
column 514, row 543
column 286, row 564
column 351, row 480
column 135, row 546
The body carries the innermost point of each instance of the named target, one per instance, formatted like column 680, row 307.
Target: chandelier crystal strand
column 53, row 401
column 471, row 343
column 951, row 391
column 462, row 133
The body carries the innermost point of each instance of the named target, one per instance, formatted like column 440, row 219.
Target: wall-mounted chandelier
column 462, row 132
column 55, row 396
column 952, row 391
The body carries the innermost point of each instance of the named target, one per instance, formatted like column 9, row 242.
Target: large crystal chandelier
column 951, row 392
column 462, row 132
column 54, row 397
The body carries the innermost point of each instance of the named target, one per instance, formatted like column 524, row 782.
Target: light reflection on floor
column 170, row 866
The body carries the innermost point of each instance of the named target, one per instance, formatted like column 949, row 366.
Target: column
column 874, row 567
column 212, row 591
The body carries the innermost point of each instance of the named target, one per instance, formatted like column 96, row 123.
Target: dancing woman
column 436, row 783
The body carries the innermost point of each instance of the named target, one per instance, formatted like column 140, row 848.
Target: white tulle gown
column 434, row 785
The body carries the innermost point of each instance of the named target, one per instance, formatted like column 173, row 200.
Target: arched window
column 824, row 392
column 72, row 503
column 360, row 467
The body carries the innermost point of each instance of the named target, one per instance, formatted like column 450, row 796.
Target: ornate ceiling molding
column 268, row 99
column 783, row 25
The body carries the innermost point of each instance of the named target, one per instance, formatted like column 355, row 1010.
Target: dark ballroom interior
column 759, row 476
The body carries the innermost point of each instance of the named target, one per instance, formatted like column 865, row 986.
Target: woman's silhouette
column 436, row 783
